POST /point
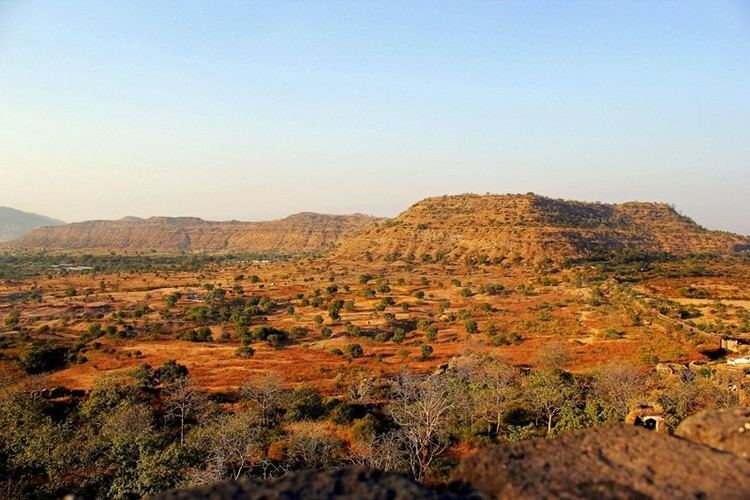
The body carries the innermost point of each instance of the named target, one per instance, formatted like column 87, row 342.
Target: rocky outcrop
column 497, row 228
column 300, row 233
column 348, row 482
column 615, row 462
column 606, row 463
column 726, row 430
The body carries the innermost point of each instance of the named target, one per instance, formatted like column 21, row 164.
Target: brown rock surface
column 616, row 462
column 727, row 430
column 304, row 232
column 535, row 228
column 348, row 482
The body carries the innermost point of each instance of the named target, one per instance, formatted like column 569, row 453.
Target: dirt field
column 516, row 311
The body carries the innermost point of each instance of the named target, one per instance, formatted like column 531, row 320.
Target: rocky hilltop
column 303, row 232
column 496, row 228
column 15, row 223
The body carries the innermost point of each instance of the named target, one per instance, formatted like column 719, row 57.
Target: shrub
column 431, row 333
column 399, row 334
column 202, row 334
column 41, row 359
column 298, row 332
column 354, row 350
column 426, row 351
column 306, row 404
column 171, row 371
column 471, row 326
column 245, row 351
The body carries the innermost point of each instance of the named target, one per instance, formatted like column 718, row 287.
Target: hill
column 303, row 232
column 534, row 228
column 15, row 223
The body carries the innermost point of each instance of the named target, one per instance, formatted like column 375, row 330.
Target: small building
column 648, row 415
column 736, row 343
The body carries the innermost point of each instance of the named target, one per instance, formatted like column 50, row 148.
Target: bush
column 346, row 413
column 245, row 351
column 431, row 333
column 298, row 332
column 426, row 351
column 41, row 359
column 202, row 334
column 279, row 340
column 354, row 350
column 399, row 334
column 306, row 404
column 170, row 372
column 471, row 326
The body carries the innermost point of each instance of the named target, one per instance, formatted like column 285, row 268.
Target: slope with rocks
column 304, row 232
column 534, row 228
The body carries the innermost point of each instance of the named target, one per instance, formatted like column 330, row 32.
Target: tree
column 615, row 387
column 183, row 402
column 548, row 391
column 422, row 408
column 305, row 403
column 381, row 453
column 170, row 372
column 311, row 449
column 267, row 395
column 232, row 444
column 43, row 358
column 496, row 383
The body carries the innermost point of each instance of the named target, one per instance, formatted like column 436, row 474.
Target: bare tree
column 495, row 384
column 183, row 401
column 234, row 443
column 267, row 395
column 312, row 449
column 381, row 452
column 361, row 390
column 423, row 409
column 616, row 386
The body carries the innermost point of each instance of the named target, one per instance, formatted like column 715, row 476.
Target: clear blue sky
column 255, row 110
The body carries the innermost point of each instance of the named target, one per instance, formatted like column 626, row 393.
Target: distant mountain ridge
column 481, row 228
column 303, row 232
column 532, row 228
column 15, row 223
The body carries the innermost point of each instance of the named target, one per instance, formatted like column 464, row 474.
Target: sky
column 256, row 110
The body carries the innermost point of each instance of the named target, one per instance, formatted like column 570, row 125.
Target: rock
column 609, row 462
column 614, row 462
column 726, row 430
column 348, row 482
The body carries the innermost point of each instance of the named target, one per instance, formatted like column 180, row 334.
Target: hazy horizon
column 255, row 111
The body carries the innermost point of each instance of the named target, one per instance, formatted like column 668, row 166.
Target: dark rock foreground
column 617, row 462
column 726, row 430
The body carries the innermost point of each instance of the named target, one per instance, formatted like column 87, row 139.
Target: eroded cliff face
column 300, row 233
column 533, row 228
column 611, row 462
